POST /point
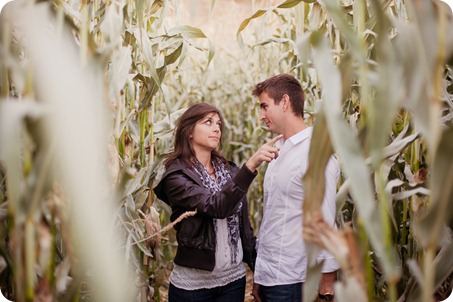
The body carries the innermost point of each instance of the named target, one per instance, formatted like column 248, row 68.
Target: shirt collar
column 298, row 137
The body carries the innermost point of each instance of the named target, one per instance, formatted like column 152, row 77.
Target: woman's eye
column 208, row 122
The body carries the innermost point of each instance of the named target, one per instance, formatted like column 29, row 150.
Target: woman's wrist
column 250, row 166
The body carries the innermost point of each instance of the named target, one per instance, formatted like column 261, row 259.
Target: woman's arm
column 183, row 191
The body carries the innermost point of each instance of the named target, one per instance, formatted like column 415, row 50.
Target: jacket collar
column 177, row 166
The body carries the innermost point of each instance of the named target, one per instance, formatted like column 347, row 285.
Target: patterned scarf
column 222, row 175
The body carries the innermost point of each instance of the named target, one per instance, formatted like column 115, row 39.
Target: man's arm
column 326, row 286
column 328, row 209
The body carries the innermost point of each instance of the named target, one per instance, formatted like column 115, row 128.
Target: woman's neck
column 205, row 159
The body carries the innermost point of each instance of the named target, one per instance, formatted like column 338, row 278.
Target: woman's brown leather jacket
column 182, row 189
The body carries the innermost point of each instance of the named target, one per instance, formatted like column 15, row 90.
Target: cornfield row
column 89, row 96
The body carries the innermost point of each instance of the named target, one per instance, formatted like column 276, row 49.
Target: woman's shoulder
column 178, row 164
column 233, row 167
column 175, row 165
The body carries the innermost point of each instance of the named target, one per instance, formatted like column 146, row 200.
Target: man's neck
column 293, row 126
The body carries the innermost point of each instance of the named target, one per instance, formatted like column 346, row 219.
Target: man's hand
column 256, row 292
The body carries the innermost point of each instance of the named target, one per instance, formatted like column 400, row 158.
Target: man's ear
column 286, row 103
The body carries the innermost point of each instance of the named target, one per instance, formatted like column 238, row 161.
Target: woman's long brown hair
column 185, row 126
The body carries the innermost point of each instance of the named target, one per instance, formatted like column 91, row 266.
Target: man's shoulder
column 303, row 136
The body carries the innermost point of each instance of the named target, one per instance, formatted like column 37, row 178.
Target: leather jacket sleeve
column 248, row 238
column 183, row 190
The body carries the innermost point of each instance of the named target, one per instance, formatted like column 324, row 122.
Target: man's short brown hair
column 282, row 84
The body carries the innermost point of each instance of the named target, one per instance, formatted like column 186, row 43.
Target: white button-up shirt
column 281, row 250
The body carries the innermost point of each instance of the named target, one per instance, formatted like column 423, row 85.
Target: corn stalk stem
column 429, row 270
column 30, row 259
column 367, row 261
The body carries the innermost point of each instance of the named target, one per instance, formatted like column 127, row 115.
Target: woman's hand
column 266, row 153
column 255, row 292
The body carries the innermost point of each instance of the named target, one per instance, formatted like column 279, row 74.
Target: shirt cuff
column 330, row 265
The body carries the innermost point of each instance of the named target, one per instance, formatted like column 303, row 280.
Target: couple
column 213, row 244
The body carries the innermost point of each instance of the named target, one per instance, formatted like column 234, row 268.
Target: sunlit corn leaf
column 311, row 285
column 338, row 16
column 152, row 87
column 155, row 6
column 259, row 13
column 416, row 42
column 186, row 80
column 13, row 115
column 187, row 32
column 121, row 62
column 444, row 268
column 190, row 32
column 383, row 108
column 314, row 182
column 348, row 149
column 399, row 143
column 79, row 148
column 111, row 25
column 146, row 47
column 431, row 225
column 171, row 58
column 140, row 6
column 168, row 123
column 314, row 179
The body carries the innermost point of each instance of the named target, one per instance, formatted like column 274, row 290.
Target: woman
column 213, row 243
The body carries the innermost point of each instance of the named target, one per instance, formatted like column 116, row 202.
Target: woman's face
column 206, row 134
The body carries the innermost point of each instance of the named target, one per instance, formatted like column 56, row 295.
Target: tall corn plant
column 377, row 74
column 85, row 106
column 54, row 163
column 153, row 69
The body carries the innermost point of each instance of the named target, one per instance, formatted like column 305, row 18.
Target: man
column 281, row 263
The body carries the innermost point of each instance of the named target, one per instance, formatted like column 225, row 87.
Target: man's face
column 271, row 113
